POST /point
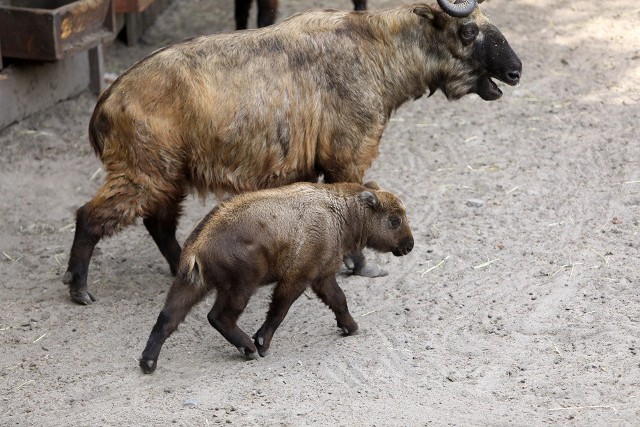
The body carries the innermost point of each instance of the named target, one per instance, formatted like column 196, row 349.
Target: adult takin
column 297, row 236
column 307, row 98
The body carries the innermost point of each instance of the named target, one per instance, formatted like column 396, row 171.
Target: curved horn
column 459, row 9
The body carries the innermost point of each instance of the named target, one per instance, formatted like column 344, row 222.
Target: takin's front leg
column 358, row 265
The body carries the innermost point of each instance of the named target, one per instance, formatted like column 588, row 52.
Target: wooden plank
column 50, row 34
column 27, row 34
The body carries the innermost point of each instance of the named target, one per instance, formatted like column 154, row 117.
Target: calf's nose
column 406, row 244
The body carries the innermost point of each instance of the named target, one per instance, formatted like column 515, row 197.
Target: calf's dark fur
column 295, row 236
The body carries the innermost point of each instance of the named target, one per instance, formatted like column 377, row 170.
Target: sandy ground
column 522, row 311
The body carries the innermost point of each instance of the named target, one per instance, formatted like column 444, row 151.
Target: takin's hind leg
column 116, row 205
column 332, row 295
column 162, row 227
column 181, row 298
column 223, row 317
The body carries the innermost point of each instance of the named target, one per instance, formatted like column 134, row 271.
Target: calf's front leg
column 332, row 295
column 284, row 294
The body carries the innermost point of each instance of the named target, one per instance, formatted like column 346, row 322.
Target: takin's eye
column 394, row 222
column 468, row 32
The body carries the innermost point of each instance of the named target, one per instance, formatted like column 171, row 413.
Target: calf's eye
column 394, row 221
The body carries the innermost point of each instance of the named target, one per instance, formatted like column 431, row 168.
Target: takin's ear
column 436, row 18
column 424, row 11
column 370, row 198
column 372, row 185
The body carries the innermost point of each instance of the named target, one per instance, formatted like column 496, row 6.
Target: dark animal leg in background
column 162, row 228
column 242, row 8
column 81, row 251
column 182, row 297
column 224, row 315
column 359, row 4
column 331, row 294
column 267, row 12
column 284, row 294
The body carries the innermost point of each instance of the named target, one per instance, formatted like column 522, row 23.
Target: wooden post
column 96, row 70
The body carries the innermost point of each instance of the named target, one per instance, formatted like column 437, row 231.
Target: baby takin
column 295, row 236
column 307, row 98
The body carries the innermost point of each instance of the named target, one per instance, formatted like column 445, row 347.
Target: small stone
column 192, row 402
column 475, row 203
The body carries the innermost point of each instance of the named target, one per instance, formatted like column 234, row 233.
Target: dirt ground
column 520, row 304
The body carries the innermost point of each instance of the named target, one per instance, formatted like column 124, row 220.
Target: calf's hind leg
column 181, row 298
column 225, row 313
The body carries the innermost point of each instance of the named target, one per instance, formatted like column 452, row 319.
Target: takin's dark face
column 477, row 52
column 493, row 58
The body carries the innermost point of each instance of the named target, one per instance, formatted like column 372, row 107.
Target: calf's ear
column 370, row 198
column 372, row 185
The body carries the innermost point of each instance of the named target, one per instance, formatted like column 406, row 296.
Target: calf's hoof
column 260, row 344
column 148, row 365
column 348, row 329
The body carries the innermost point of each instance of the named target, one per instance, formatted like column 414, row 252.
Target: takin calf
column 307, row 98
column 296, row 236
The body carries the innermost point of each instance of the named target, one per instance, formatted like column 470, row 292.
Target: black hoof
column 348, row 330
column 147, row 366
column 258, row 340
column 82, row 297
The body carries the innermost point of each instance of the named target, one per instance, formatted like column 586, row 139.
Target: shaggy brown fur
column 295, row 235
column 204, row 114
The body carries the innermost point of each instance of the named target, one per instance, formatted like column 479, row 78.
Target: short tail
column 191, row 271
column 100, row 125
